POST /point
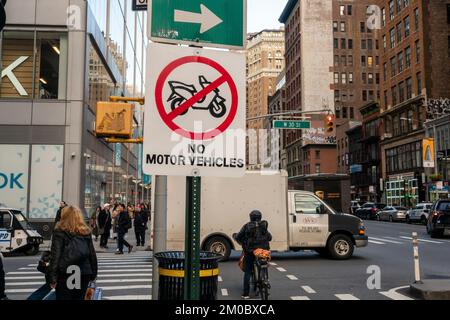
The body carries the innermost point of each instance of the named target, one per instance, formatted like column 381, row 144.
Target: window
column 407, row 26
column 448, row 13
column 344, row 112
column 363, row 44
column 391, row 10
column 405, row 3
column 394, row 95
column 342, row 10
column 377, row 61
column 400, row 62
column 409, row 88
column 344, row 78
column 407, row 57
column 370, row 61
column 385, row 98
column 336, row 43
column 377, row 44
column 448, row 46
column 377, row 78
column 350, row 61
column 371, row 97
column 392, row 66
column 384, row 43
column 364, row 78
column 370, row 44
column 336, row 60
column 342, row 26
column 352, row 112
column 399, row 6
column 350, row 43
column 401, row 91
column 383, row 17
column 350, row 77
column 370, row 78
column 43, row 52
column 5, row 220
column 317, row 154
column 305, row 204
column 362, row 27
column 416, row 19
column 336, row 95
column 350, row 10
column 364, row 95
column 419, row 83
column 336, row 77
column 392, row 37
column 417, row 51
column 399, row 32
column 343, row 43
column 363, row 61
column 335, row 26
column 385, row 71
column 344, row 60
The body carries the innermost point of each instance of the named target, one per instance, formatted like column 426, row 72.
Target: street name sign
column 139, row 5
column 209, row 23
column 291, row 124
column 195, row 112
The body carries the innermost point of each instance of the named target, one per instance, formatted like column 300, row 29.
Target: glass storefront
column 402, row 193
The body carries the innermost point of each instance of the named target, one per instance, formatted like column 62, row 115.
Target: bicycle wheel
column 264, row 284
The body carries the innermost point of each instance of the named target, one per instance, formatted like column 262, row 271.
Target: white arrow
column 206, row 18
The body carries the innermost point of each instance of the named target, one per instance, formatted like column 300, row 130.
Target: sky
column 264, row 14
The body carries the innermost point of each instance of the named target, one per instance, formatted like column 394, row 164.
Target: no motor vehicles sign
column 195, row 112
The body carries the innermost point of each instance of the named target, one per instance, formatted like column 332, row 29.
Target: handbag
column 44, row 262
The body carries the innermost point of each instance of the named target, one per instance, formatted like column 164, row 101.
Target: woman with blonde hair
column 72, row 250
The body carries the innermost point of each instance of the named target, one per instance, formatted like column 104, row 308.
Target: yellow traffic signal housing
column 114, row 119
column 329, row 123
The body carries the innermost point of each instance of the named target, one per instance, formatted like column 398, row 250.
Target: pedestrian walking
column 139, row 226
column 114, row 215
column 72, row 246
column 124, row 223
column 93, row 222
column 104, row 225
column 62, row 205
column 2, row 280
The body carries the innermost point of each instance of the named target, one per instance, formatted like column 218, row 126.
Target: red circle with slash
column 168, row 117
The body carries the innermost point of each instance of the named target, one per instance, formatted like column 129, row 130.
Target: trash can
column 171, row 275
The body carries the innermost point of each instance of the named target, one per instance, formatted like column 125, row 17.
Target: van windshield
column 22, row 220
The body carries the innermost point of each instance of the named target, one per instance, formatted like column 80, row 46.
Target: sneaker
column 245, row 296
column 119, row 252
column 130, row 248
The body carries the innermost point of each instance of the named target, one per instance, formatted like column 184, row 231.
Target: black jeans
column 140, row 237
column 2, row 280
column 104, row 238
column 249, row 259
column 64, row 293
column 121, row 241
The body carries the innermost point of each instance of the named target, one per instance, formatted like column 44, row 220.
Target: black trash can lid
column 179, row 255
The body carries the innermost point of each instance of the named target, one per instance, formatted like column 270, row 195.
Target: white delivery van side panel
column 226, row 204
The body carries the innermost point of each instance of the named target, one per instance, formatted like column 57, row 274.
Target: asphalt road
column 306, row 275
column 302, row 275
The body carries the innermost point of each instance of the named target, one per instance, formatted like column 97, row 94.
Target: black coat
column 140, row 221
column 60, row 240
column 254, row 235
column 104, row 220
column 123, row 220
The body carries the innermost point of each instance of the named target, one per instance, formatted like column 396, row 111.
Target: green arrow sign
column 291, row 124
column 213, row 23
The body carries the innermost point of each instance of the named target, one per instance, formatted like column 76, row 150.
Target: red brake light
column 374, row 209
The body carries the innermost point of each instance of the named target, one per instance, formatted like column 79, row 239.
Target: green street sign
column 209, row 23
column 291, row 124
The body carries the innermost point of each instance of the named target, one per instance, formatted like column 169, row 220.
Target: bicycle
column 260, row 278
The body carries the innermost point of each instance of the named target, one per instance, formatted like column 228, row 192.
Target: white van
column 297, row 219
column 17, row 234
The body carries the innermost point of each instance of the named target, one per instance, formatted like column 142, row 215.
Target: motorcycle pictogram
column 182, row 92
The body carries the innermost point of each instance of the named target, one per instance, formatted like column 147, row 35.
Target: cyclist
column 253, row 235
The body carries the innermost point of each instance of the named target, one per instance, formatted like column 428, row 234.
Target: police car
column 17, row 234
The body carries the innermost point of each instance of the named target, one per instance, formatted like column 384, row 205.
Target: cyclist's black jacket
column 254, row 235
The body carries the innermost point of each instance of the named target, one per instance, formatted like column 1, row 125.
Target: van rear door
column 308, row 227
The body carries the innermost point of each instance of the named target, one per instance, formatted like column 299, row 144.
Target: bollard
column 416, row 258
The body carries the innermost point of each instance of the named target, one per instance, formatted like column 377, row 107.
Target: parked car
column 369, row 210
column 392, row 213
column 419, row 213
column 438, row 223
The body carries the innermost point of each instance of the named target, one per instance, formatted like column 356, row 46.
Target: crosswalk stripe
column 124, row 280
column 422, row 240
column 291, row 277
column 281, row 269
column 125, row 260
column 126, row 287
column 300, row 298
column 386, row 240
column 394, row 295
column 24, row 272
column 224, row 292
column 129, row 297
column 27, row 268
column 375, row 242
column 308, row 289
column 123, row 270
column 130, row 266
column 25, row 278
column 20, row 290
column 346, row 297
column 124, row 263
column 124, row 275
column 272, row 263
column 36, row 283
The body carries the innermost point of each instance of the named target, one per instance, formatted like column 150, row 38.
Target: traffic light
column 329, row 123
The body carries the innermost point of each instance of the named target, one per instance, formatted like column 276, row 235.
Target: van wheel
column 220, row 246
column 340, row 247
column 31, row 251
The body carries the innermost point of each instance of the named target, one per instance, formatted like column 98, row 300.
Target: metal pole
column 435, row 142
column 192, row 241
column 159, row 228
column 113, row 172
column 416, row 258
